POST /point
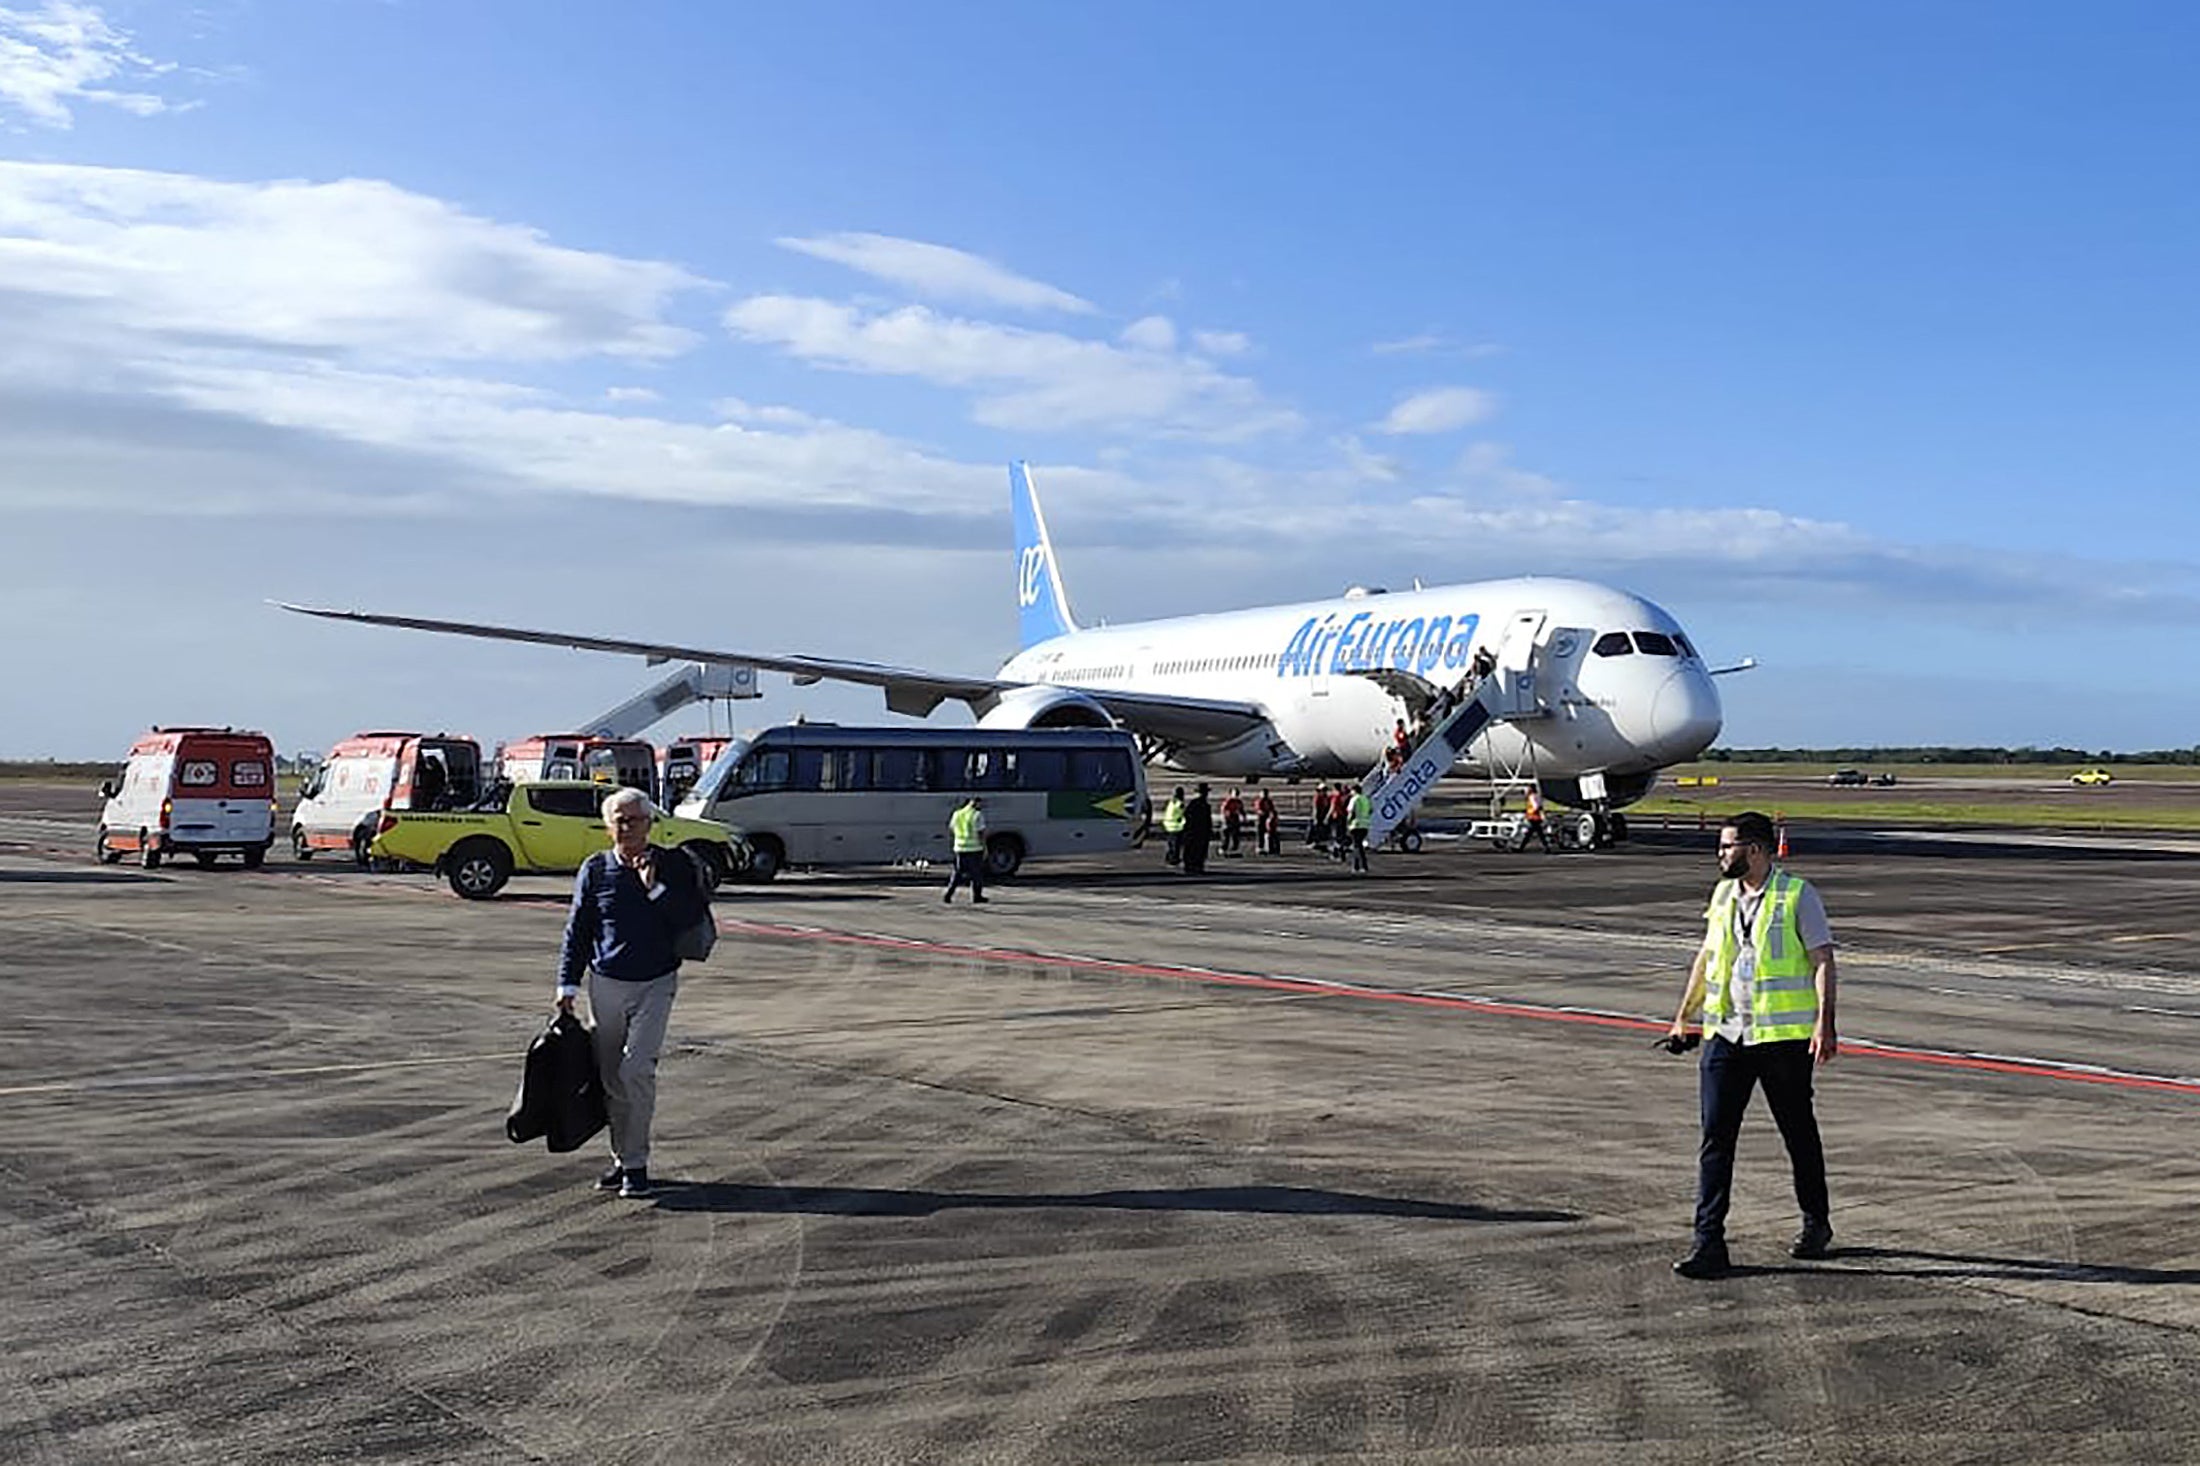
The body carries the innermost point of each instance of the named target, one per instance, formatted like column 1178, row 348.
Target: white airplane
column 1596, row 681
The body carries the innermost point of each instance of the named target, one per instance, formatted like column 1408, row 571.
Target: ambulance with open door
column 628, row 762
column 368, row 773
column 202, row 792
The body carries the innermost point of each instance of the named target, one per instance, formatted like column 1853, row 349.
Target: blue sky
column 1861, row 338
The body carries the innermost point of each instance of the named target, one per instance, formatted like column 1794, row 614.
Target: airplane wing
column 916, row 693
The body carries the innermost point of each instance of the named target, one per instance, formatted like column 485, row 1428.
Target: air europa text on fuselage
column 1361, row 643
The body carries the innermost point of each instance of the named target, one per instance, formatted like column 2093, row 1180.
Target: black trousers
column 1728, row 1073
column 969, row 866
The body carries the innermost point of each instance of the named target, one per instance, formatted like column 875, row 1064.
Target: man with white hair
column 629, row 904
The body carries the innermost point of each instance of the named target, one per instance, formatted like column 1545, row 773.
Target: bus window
column 810, row 769
column 1039, row 768
column 853, row 769
column 901, row 768
column 1101, row 768
column 987, row 768
column 768, row 768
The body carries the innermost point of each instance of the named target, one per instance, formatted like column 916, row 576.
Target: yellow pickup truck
column 546, row 825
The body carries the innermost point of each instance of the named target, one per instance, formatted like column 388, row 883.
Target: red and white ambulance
column 201, row 792
column 368, row 773
column 625, row 761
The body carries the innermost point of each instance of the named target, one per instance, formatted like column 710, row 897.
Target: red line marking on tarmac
column 2030, row 1068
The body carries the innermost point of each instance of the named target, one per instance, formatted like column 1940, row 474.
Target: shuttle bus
column 817, row 794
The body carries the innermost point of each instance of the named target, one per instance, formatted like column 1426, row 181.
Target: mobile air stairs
column 693, row 683
column 1497, row 689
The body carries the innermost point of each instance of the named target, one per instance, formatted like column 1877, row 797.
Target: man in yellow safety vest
column 1764, row 981
column 1173, row 817
column 1360, row 814
column 967, row 826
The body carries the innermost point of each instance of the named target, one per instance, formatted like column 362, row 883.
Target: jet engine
column 1045, row 707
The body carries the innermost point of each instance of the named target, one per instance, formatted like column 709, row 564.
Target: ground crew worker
column 1267, row 824
column 1172, row 825
column 1233, row 822
column 1765, row 982
column 1199, row 832
column 1536, row 825
column 1358, row 818
column 967, row 826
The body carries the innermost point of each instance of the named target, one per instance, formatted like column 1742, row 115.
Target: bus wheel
column 108, row 855
column 1004, row 855
column 299, row 849
column 254, row 856
column 148, row 852
column 710, row 862
column 766, row 857
column 478, row 868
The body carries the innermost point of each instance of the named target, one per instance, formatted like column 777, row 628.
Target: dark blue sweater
column 616, row 928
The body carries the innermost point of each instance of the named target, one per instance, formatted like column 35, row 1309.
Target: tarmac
column 1281, row 1165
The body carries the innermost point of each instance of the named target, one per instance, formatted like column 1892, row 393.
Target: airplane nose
column 1684, row 716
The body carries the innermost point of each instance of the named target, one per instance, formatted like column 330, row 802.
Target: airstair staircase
column 1506, row 692
column 693, row 683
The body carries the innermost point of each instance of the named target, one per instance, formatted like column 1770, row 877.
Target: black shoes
column 1705, row 1262
column 610, row 1180
column 634, row 1182
column 1814, row 1241
column 979, row 900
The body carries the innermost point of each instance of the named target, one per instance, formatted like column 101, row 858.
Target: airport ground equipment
column 1399, row 794
column 694, row 683
column 546, row 826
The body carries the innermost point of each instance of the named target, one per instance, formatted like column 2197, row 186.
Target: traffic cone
column 1782, row 852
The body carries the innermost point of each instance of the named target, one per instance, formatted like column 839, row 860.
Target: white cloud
column 61, row 53
column 1030, row 380
column 1439, row 410
column 1151, row 333
column 630, row 394
column 356, row 265
column 1434, row 343
column 733, row 409
column 1222, row 343
column 939, row 272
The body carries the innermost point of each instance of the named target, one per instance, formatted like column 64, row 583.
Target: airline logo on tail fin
column 1042, row 606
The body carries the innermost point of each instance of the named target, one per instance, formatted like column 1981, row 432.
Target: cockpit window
column 1612, row 644
column 1655, row 644
column 1682, row 642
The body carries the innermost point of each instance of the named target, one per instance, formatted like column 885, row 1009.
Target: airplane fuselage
column 1623, row 706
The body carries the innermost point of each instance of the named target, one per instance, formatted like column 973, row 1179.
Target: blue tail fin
column 1042, row 606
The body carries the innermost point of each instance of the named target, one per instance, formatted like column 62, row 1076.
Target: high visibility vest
column 968, row 826
column 1535, row 807
column 1363, row 812
column 1172, row 817
column 1783, row 996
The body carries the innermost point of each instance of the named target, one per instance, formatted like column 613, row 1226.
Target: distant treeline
column 46, row 768
column 1949, row 756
